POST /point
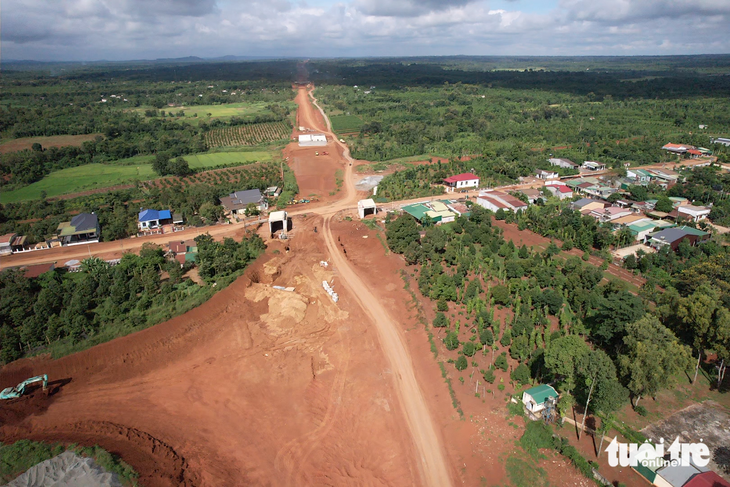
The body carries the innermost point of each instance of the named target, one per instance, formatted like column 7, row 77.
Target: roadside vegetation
column 62, row 312
column 548, row 317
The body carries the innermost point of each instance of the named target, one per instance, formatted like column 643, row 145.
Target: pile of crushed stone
column 66, row 470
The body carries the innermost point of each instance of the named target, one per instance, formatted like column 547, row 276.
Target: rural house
column 83, row 228
column 11, row 242
column 674, row 236
column 694, row 213
column 535, row 398
column 150, row 219
column 586, row 205
column 236, row 203
column 564, row 163
column 461, row 181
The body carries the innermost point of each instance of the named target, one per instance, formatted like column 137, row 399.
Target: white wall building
column 312, row 140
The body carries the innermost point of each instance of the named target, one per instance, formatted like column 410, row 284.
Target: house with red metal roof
column 461, row 181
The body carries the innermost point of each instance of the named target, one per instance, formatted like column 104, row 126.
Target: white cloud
column 133, row 29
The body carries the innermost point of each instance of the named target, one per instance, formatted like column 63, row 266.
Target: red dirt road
column 256, row 386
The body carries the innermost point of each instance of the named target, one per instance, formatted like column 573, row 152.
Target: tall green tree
column 651, row 357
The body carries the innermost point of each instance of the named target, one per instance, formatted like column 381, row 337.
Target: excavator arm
column 19, row 390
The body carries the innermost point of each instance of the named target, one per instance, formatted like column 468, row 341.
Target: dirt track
column 254, row 387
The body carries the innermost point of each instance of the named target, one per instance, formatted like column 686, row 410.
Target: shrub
column 489, row 376
column 500, row 387
column 641, row 411
column 506, row 338
column 461, row 363
column 501, row 362
column 537, row 436
column 451, row 341
column 470, row 349
column 486, row 337
column 521, row 374
column 442, row 305
column 441, row 321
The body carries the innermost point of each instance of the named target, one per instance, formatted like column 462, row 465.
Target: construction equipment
column 325, row 153
column 19, row 390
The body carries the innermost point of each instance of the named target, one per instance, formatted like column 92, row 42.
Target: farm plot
column 14, row 145
column 251, row 134
column 212, row 159
column 248, row 176
column 343, row 124
column 76, row 179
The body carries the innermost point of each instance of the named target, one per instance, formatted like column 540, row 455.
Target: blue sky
column 88, row 30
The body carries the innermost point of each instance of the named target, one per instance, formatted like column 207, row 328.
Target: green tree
column 500, row 294
column 452, row 341
column 664, row 204
column 461, row 363
column 179, row 167
column 562, row 357
column 210, row 213
column 440, row 321
column 501, row 362
column 520, row 350
column 470, row 349
column 161, row 164
column 252, row 209
column 400, row 233
column 486, row 337
column 652, row 356
column 521, row 374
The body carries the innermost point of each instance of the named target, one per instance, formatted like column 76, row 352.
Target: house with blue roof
column 151, row 219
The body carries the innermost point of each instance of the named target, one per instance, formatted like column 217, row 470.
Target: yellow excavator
column 19, row 390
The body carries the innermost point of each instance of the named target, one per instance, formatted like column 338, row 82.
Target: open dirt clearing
column 24, row 143
column 257, row 386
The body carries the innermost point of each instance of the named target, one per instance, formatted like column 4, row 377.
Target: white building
column 593, row 166
column 366, row 207
column 495, row 200
column 694, row 213
column 312, row 140
column 542, row 174
column 461, row 181
column 566, row 163
column 278, row 221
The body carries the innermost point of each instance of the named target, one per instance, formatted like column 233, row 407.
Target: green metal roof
column 417, row 211
column 541, row 393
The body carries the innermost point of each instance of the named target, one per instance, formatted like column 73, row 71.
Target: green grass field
column 221, row 112
column 124, row 171
column 76, row 179
column 211, row 159
column 346, row 123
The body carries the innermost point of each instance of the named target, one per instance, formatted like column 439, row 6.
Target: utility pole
column 585, row 413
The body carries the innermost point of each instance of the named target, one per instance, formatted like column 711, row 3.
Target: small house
column 535, row 398
column 461, row 181
column 6, row 243
column 542, row 174
column 694, row 213
column 593, row 166
column 151, row 219
column 236, row 203
column 83, row 228
column 564, row 163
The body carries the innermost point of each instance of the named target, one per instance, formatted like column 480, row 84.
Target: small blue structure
column 153, row 219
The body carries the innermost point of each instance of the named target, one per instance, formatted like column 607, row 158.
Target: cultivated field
column 251, row 134
column 125, row 171
column 221, row 112
column 15, row 145
column 212, row 159
column 346, row 123
column 76, row 179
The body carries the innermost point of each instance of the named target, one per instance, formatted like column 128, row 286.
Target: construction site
column 313, row 368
